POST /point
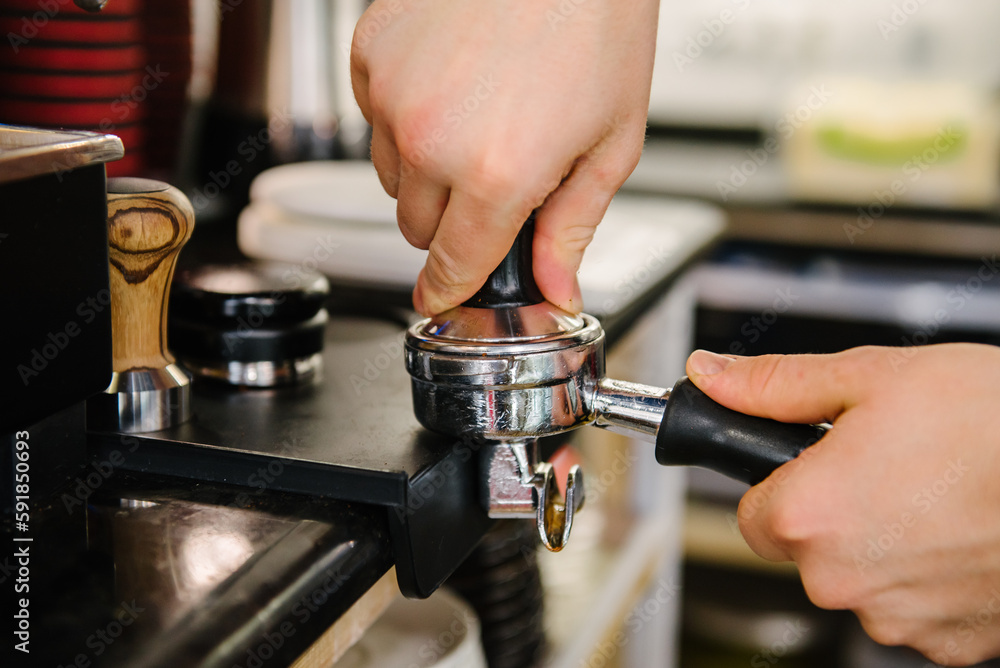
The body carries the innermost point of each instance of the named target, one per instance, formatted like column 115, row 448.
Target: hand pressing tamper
column 507, row 367
column 148, row 223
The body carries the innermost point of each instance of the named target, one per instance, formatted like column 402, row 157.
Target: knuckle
column 389, row 181
column 888, row 631
column 365, row 31
column 861, row 362
column 609, row 176
column 770, row 511
column 611, row 162
column 493, row 178
column 829, row 593
column 749, row 509
column 378, row 95
column 786, row 524
column 781, row 522
column 414, row 233
column 418, row 136
column 626, row 135
column 359, row 42
column 624, row 163
column 865, row 356
column 869, row 359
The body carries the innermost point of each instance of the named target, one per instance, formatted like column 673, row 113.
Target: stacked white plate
column 336, row 218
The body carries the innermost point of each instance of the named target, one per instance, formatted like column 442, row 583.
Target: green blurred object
column 841, row 142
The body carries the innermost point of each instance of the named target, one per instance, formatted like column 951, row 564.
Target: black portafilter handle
column 512, row 283
column 697, row 431
column 694, row 430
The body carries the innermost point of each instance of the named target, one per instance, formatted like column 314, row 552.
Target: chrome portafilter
column 508, row 367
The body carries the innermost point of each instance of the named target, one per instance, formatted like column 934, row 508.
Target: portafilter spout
column 507, row 367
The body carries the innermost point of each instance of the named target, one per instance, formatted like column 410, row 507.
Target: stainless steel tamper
column 148, row 223
column 507, row 367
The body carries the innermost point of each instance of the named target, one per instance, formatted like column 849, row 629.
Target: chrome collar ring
column 506, row 390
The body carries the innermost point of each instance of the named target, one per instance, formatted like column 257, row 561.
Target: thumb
column 789, row 388
column 564, row 227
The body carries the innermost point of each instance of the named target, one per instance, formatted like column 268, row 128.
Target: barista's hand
column 485, row 111
column 895, row 513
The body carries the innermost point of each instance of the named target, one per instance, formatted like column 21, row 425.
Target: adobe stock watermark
column 631, row 284
column 922, row 503
column 455, row 116
column 424, row 489
column 984, row 617
column 101, row 639
column 966, row 631
column 434, row 649
column 261, row 479
column 264, row 477
column 785, row 127
column 913, row 169
column 374, row 20
column 57, row 341
column 126, row 103
column 249, row 150
column 704, row 38
column 256, row 317
column 566, row 9
column 302, row 272
column 899, row 16
column 375, row 366
column 768, row 488
column 120, row 108
column 596, row 486
column 294, row 277
column 96, row 474
column 957, row 298
column 30, row 25
column 641, row 614
column 756, row 326
column 308, row 604
column 792, row 634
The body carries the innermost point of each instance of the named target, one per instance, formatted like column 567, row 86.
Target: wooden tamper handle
column 148, row 223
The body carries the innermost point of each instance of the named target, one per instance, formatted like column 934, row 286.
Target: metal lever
column 515, row 484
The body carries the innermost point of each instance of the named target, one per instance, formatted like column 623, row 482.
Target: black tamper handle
column 512, row 283
column 696, row 431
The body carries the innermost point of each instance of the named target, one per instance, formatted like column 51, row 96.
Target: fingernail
column 705, row 363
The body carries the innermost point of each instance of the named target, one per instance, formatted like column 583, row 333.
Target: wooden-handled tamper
column 148, row 223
